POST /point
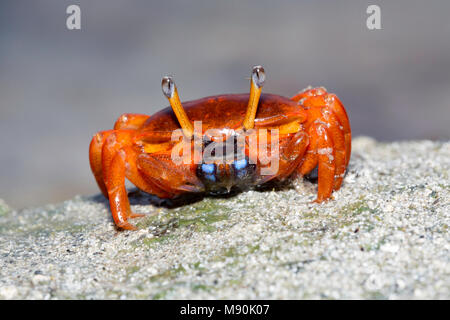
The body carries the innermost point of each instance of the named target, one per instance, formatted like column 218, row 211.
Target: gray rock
column 385, row 236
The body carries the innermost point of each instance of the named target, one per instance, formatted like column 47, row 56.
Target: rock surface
column 385, row 236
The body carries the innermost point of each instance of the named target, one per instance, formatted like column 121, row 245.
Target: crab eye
column 258, row 76
column 167, row 86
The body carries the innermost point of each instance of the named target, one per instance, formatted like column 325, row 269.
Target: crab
column 312, row 131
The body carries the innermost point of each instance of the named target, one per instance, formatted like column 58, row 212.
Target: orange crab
column 312, row 129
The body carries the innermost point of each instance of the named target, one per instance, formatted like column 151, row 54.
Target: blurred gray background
column 58, row 87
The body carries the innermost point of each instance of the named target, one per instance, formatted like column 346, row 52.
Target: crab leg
column 118, row 163
column 310, row 160
column 327, row 108
column 118, row 198
column 324, row 152
column 336, row 105
column 325, row 116
column 332, row 102
column 326, row 161
column 130, row 121
column 339, row 148
column 317, row 97
column 95, row 158
column 125, row 121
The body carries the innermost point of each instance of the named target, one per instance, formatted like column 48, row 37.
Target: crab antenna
column 256, row 84
column 170, row 91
